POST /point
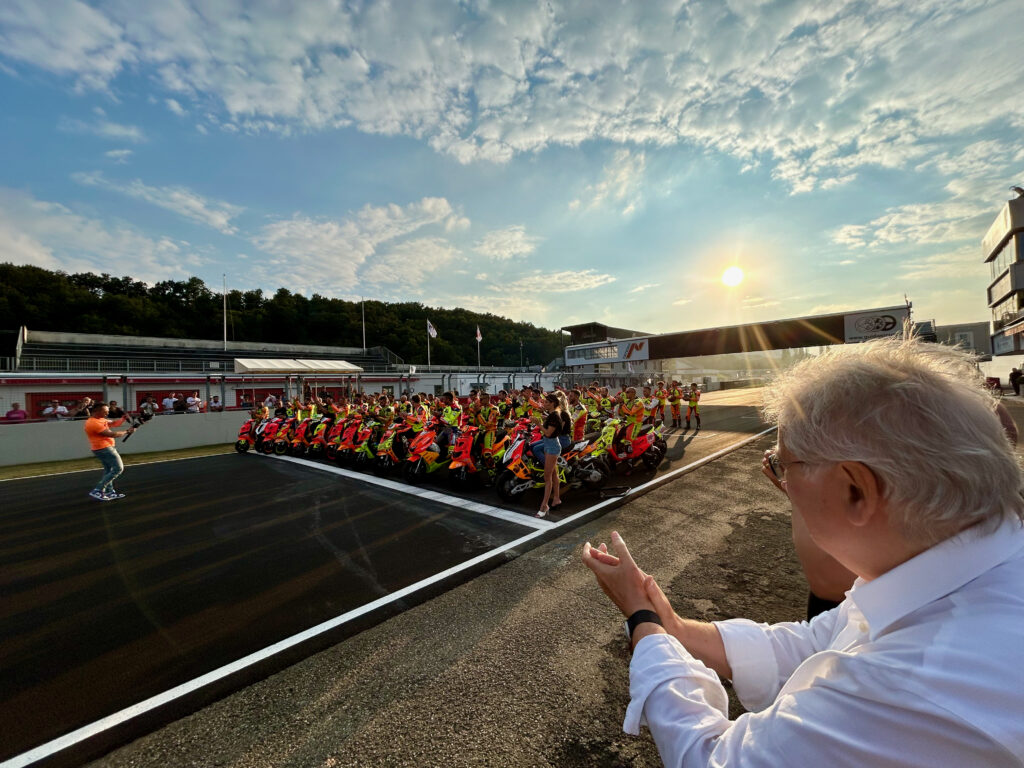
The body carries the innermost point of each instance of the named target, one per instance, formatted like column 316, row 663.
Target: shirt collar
column 934, row 573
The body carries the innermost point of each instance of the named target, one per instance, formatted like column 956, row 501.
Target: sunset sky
column 556, row 162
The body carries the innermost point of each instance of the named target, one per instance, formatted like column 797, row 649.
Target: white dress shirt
column 923, row 666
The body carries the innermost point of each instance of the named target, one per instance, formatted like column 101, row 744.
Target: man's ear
column 862, row 492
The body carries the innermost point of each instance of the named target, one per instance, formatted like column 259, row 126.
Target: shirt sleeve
column 763, row 657
column 846, row 718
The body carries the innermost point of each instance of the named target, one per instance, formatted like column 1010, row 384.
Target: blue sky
column 557, row 162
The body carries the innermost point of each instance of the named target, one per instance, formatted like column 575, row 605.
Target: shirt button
column 863, row 626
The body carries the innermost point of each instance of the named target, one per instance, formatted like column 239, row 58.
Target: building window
column 608, row 352
column 1005, row 312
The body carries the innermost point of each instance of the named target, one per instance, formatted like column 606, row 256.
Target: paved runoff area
column 215, row 572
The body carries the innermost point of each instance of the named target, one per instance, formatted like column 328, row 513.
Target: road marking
column 425, row 493
column 126, row 466
column 51, row 748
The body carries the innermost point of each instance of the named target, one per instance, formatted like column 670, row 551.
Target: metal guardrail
column 47, row 364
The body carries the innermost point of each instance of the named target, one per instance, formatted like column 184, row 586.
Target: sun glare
column 732, row 277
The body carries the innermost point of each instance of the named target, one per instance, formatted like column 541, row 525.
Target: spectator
column 16, row 413
column 114, row 411
column 81, row 409
column 168, row 403
column 180, row 404
column 216, row 406
column 55, row 411
column 194, row 403
column 1015, row 377
column 270, row 401
column 149, row 407
column 923, row 662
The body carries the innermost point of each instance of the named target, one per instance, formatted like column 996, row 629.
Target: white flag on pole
column 479, row 338
column 431, row 330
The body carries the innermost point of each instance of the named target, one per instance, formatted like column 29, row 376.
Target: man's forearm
column 704, row 642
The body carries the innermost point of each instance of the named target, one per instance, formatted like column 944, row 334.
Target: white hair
column 918, row 416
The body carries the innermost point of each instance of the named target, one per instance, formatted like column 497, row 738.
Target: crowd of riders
column 498, row 439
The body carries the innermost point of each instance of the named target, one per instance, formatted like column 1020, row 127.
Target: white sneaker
column 98, row 495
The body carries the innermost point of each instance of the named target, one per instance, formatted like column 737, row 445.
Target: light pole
column 520, row 353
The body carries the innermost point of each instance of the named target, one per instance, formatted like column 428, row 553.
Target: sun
column 732, row 277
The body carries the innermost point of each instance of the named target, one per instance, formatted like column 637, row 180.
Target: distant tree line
column 89, row 303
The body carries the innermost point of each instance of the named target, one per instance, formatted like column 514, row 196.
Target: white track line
column 99, row 469
column 424, row 493
column 51, row 748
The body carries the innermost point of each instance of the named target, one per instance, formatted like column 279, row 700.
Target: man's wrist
column 645, row 629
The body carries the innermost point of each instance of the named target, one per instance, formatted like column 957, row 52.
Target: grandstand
column 50, row 352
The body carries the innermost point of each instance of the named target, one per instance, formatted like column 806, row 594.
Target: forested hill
column 90, row 303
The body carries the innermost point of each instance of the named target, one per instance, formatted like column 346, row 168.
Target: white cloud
column 568, row 281
column 508, row 243
column 640, row 288
column 409, row 262
column 70, row 38
column 682, row 302
column 182, row 201
column 952, row 267
column 621, row 184
column 327, row 255
column 105, row 129
column 49, row 235
column 175, row 107
column 119, row 156
column 456, row 223
column 813, row 91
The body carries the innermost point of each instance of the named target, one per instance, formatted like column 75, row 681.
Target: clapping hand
column 618, row 576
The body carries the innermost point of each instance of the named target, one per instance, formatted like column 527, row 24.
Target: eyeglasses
column 779, row 467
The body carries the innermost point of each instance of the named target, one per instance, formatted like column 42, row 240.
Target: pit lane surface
column 208, row 560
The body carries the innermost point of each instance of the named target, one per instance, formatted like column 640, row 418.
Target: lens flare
column 732, row 277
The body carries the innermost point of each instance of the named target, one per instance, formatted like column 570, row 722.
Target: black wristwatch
column 640, row 617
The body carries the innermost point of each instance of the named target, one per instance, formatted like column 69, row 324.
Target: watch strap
column 641, row 617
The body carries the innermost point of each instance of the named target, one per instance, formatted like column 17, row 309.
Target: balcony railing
column 57, row 364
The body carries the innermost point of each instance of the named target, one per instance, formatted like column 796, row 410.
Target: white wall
column 59, row 440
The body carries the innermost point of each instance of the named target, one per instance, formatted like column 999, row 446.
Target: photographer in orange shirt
column 101, row 441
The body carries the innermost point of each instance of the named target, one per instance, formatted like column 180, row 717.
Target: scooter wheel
column 652, row 458
column 415, row 472
column 280, row 447
column 594, row 475
column 510, row 487
column 332, row 452
column 458, row 478
column 267, row 447
column 382, row 465
column 242, row 446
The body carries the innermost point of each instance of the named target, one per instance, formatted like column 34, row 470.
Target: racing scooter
column 647, row 448
column 393, row 447
column 365, row 446
column 247, row 435
column 424, row 454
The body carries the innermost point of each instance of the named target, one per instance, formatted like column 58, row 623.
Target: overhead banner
column 874, row 324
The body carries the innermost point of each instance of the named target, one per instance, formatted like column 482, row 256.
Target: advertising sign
column 876, row 324
column 634, row 350
column 1002, row 345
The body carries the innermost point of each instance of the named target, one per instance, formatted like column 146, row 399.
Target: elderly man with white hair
column 893, row 454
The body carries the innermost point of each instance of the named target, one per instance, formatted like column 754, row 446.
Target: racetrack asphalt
column 258, row 549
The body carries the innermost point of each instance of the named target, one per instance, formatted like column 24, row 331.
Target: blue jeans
column 544, row 446
column 112, row 468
